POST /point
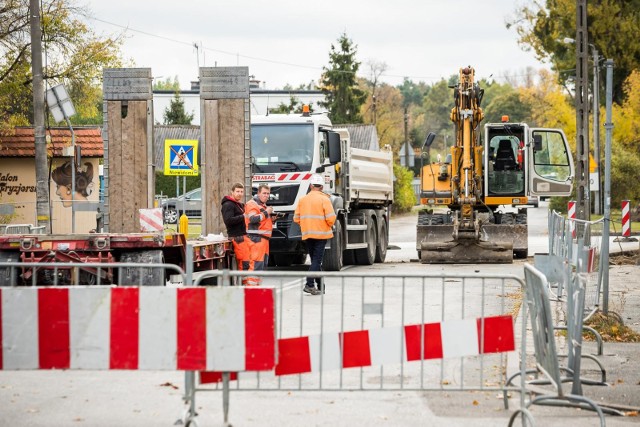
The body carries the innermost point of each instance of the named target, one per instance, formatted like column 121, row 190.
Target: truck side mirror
column 429, row 140
column 537, row 142
column 335, row 153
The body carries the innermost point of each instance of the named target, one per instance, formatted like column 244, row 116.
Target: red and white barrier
column 150, row 219
column 571, row 210
column 376, row 347
column 146, row 328
column 626, row 219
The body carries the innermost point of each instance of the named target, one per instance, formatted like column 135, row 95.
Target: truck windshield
column 282, row 147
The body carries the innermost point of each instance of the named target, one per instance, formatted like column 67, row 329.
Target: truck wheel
column 383, row 243
column 282, row 260
column 332, row 260
column 299, row 259
column 142, row 276
column 348, row 257
column 367, row 255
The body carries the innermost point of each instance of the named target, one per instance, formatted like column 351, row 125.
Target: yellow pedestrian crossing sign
column 181, row 157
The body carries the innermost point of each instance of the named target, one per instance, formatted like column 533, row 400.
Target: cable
column 272, row 61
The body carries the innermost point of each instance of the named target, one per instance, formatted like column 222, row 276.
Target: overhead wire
column 272, row 61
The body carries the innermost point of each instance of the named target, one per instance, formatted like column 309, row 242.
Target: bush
column 166, row 184
column 404, row 198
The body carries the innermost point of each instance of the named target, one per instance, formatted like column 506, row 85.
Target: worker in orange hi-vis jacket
column 233, row 216
column 316, row 216
column 259, row 227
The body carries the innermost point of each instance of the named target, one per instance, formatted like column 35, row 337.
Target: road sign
column 594, row 184
column 181, row 157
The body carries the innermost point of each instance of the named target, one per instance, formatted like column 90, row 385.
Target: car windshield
column 282, row 147
column 192, row 195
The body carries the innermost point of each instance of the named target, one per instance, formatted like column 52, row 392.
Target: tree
column 404, row 197
column 175, row 114
column 613, row 29
column 75, row 56
column 510, row 104
column 389, row 115
column 294, row 106
column 340, row 85
column 168, row 84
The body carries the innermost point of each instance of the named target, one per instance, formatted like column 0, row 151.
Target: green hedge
column 166, row 185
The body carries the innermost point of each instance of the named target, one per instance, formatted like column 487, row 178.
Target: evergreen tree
column 339, row 83
column 174, row 114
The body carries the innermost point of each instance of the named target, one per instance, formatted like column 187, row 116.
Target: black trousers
column 315, row 247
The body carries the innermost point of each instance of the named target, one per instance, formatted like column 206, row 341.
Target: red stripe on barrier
column 1, row 365
column 295, row 176
column 498, row 334
column 259, row 329
column 124, row 331
column 293, row 356
column 356, row 351
column 432, row 341
column 208, row 377
column 53, row 328
column 192, row 329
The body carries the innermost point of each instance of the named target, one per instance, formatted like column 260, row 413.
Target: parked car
column 189, row 203
column 533, row 201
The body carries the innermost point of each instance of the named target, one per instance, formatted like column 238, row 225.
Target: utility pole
column 42, row 178
column 583, row 196
column 406, row 135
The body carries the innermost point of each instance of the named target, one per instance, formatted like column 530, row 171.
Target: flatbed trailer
column 108, row 249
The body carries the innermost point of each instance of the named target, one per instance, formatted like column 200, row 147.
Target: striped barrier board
column 145, row 328
column 151, row 220
column 376, row 347
column 626, row 219
column 571, row 213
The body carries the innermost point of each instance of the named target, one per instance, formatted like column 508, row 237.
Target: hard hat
column 316, row 180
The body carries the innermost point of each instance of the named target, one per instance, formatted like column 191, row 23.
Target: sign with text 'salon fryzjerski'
column 181, row 157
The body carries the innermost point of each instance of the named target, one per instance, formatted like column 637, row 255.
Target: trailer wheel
column 367, row 255
column 9, row 275
column 332, row 260
column 383, row 243
column 142, row 276
column 520, row 253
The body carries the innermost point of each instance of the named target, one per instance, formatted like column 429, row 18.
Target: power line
column 272, row 61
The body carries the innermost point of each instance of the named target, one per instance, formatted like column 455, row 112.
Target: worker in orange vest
column 233, row 216
column 259, row 227
column 316, row 216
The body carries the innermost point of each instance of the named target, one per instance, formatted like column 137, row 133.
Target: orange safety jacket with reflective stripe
column 315, row 215
column 257, row 219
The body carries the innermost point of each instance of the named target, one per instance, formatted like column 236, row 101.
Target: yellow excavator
column 475, row 201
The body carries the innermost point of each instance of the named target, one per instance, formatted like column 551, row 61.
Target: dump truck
column 287, row 149
column 474, row 202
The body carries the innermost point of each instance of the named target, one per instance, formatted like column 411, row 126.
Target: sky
column 288, row 42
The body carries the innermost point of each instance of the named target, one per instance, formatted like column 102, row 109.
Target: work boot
column 311, row 290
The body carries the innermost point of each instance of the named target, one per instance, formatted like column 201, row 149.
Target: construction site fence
column 357, row 332
column 575, row 247
column 379, row 303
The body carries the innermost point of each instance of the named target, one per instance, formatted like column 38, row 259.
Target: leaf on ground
column 168, row 384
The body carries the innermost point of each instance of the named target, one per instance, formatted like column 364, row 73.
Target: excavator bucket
column 437, row 246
